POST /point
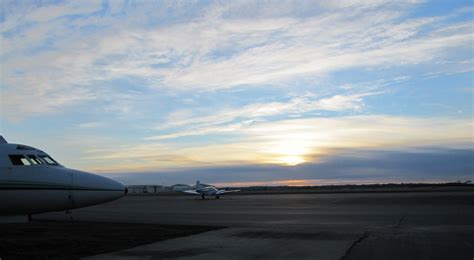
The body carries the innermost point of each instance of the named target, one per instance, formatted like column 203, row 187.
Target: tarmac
column 408, row 225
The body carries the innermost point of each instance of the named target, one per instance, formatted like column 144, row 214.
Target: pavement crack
column 400, row 221
column 354, row 244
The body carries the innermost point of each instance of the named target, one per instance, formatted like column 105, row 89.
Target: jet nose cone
column 90, row 189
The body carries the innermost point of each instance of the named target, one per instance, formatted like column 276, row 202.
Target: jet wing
column 219, row 192
column 192, row 192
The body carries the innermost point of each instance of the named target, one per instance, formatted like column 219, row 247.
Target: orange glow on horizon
column 320, row 182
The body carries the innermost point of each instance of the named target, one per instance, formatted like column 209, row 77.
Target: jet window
column 34, row 159
column 49, row 160
column 18, row 159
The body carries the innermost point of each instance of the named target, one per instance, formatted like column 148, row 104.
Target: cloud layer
column 353, row 167
column 308, row 140
column 120, row 86
column 58, row 55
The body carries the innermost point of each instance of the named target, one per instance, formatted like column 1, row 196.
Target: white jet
column 32, row 182
column 207, row 190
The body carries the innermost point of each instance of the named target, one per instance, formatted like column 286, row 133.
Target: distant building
column 141, row 189
column 181, row 187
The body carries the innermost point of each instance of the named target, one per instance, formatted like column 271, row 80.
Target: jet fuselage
column 32, row 182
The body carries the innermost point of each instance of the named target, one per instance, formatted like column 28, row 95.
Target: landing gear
column 202, row 196
column 217, row 197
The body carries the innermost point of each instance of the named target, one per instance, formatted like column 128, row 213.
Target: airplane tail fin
column 198, row 185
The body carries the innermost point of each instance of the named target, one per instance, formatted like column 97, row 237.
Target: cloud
column 67, row 48
column 343, row 102
column 50, row 12
column 92, row 125
column 277, row 142
column 233, row 119
column 201, row 84
column 352, row 167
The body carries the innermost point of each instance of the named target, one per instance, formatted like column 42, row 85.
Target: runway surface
column 422, row 225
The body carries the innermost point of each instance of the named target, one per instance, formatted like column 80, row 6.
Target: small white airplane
column 207, row 190
column 32, row 182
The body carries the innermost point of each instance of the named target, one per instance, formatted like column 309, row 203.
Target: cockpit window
column 49, row 160
column 19, row 159
column 34, row 159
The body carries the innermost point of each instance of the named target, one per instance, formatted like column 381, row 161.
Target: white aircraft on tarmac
column 32, row 182
column 207, row 190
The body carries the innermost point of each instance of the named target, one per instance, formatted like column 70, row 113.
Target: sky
column 243, row 92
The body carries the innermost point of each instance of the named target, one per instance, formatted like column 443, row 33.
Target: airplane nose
column 90, row 189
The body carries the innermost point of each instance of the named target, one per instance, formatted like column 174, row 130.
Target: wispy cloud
column 218, row 48
column 225, row 120
column 91, row 125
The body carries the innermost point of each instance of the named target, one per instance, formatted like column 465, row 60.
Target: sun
column 289, row 149
column 292, row 160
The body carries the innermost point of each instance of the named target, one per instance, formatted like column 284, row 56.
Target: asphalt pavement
column 407, row 225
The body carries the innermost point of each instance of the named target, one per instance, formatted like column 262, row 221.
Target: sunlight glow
column 292, row 160
column 290, row 148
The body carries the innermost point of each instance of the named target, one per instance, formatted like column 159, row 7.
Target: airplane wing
column 192, row 192
column 219, row 192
